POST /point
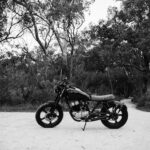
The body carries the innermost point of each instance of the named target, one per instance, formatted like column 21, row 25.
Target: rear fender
column 120, row 105
column 116, row 104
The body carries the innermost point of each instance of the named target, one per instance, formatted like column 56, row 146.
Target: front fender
column 53, row 105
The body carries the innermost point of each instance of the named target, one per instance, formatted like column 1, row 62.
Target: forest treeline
column 110, row 57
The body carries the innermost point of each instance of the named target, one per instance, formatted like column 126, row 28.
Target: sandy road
column 19, row 131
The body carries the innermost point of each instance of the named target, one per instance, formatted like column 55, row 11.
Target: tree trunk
column 145, row 84
column 145, row 74
column 71, row 62
column 71, row 67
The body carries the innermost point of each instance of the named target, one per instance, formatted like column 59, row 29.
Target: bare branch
column 50, row 39
column 58, row 39
column 20, row 3
column 29, row 28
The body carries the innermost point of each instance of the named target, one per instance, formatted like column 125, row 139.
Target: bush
column 4, row 93
column 42, row 96
column 144, row 101
column 92, row 82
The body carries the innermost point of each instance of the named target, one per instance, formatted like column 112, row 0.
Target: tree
column 71, row 23
column 136, row 15
column 124, row 37
column 8, row 24
column 52, row 20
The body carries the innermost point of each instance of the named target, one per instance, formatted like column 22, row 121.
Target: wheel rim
column 49, row 117
column 114, row 115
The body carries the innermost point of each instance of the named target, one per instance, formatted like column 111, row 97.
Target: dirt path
column 19, row 131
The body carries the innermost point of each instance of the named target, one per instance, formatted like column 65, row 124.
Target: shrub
column 41, row 96
column 144, row 101
column 4, row 93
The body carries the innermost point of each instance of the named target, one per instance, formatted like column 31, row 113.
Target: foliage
column 143, row 102
column 32, row 82
column 124, row 39
column 4, row 93
column 111, row 57
column 52, row 21
column 3, row 17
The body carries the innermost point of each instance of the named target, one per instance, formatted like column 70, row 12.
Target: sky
column 98, row 10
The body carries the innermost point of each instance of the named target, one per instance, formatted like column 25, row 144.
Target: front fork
column 55, row 102
column 58, row 97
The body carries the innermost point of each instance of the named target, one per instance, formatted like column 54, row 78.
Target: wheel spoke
column 114, row 110
column 57, row 115
column 50, row 121
column 119, row 111
column 108, row 112
column 116, row 121
column 45, row 111
column 43, row 118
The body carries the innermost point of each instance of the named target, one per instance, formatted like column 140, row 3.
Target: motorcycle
column 82, row 107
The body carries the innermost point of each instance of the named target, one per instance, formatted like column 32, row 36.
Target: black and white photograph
column 74, row 74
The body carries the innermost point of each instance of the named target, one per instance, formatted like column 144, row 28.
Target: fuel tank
column 77, row 94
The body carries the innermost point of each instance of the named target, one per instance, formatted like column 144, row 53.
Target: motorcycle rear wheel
column 116, row 120
column 49, row 115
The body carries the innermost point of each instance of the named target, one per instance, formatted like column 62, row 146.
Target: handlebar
column 64, row 82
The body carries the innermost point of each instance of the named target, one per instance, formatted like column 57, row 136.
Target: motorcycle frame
column 62, row 95
column 104, row 104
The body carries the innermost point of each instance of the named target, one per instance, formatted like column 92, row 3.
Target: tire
column 48, row 115
column 112, row 122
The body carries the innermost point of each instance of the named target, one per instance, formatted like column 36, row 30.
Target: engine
column 79, row 110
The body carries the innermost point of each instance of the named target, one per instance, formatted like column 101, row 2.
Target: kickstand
column 84, row 126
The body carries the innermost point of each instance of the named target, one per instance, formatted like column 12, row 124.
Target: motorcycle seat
column 102, row 97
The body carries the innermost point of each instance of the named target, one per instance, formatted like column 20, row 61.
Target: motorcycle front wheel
column 49, row 115
column 116, row 117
